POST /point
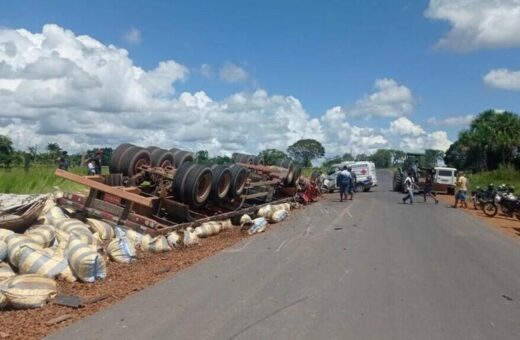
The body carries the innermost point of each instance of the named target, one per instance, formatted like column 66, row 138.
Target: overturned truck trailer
column 155, row 191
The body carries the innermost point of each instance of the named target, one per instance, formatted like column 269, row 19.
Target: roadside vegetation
column 502, row 175
column 37, row 180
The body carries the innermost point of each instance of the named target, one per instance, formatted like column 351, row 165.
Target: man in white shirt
column 409, row 185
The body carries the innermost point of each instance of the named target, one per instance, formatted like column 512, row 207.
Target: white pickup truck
column 366, row 177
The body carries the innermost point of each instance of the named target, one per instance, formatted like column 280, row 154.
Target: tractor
column 411, row 163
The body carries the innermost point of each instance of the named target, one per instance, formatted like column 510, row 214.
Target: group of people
column 409, row 184
column 461, row 189
column 94, row 164
column 346, row 181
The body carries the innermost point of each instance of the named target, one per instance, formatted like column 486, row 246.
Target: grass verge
column 507, row 175
column 37, row 180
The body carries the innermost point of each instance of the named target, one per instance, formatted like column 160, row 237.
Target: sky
column 243, row 76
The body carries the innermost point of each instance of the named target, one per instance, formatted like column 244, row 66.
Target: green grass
column 507, row 175
column 37, row 180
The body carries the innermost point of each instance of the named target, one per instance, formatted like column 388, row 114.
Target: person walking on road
column 461, row 190
column 409, row 185
column 428, row 190
column 353, row 182
column 344, row 181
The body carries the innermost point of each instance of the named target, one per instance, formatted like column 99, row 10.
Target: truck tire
column 258, row 161
column 221, row 182
column 181, row 157
column 179, row 180
column 296, row 176
column 162, row 158
column 198, row 186
column 131, row 161
column 152, row 148
column 238, row 180
column 124, row 155
column 360, row 187
column 116, row 155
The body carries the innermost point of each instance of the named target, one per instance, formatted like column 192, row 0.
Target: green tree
column 331, row 161
column 306, row 150
column 382, row 158
column 272, row 156
column 398, row 157
column 347, row 157
column 362, row 157
column 202, row 156
column 431, row 157
column 6, row 151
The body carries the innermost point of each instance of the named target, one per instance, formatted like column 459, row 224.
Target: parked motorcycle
column 508, row 203
column 480, row 197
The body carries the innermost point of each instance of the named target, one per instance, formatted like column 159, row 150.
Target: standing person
column 428, row 190
column 461, row 190
column 409, row 185
column 97, row 161
column 63, row 161
column 343, row 181
column 91, row 168
column 353, row 181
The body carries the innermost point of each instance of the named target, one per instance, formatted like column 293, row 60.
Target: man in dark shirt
column 63, row 161
column 97, row 162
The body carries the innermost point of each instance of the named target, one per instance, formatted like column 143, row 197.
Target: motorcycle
column 480, row 196
column 508, row 203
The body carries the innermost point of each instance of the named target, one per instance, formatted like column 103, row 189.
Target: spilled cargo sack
column 86, row 263
column 14, row 243
column 82, row 233
column 173, row 239
column 38, row 261
column 121, row 250
column 54, row 215
column 245, row 220
column 157, row 244
column 278, row 216
column 3, row 250
column 67, row 224
column 259, row 225
column 190, row 237
column 5, row 271
column 264, row 211
column 43, row 234
column 4, row 233
column 281, row 206
column 212, row 228
column 105, row 230
column 132, row 235
column 29, row 291
column 3, row 299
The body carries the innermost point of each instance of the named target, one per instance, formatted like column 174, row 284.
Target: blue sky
column 325, row 54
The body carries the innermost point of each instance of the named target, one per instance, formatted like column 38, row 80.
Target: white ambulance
column 365, row 171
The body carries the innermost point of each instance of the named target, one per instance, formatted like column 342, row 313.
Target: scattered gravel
column 122, row 280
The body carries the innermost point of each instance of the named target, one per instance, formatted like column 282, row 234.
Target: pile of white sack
column 267, row 214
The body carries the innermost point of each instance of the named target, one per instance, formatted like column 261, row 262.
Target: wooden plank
column 146, row 201
column 97, row 178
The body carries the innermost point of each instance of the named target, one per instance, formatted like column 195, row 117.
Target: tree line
column 492, row 140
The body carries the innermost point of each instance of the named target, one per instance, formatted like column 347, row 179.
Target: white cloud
column 477, row 24
column 403, row 126
column 206, row 70
column 133, row 36
column 73, row 90
column 503, row 79
column 232, row 73
column 437, row 140
column 452, row 121
column 390, row 100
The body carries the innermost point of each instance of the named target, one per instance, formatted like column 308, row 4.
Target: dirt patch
column 122, row 280
column 508, row 225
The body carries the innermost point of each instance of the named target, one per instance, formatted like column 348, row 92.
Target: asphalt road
column 368, row 269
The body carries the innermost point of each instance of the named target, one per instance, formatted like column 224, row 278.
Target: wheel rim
column 223, row 185
column 240, row 183
column 203, row 188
